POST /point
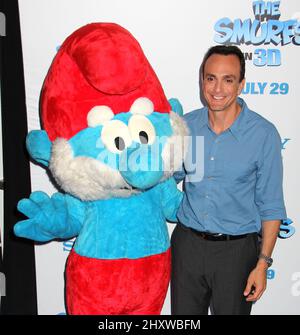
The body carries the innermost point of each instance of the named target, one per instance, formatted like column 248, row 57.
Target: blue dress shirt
column 241, row 183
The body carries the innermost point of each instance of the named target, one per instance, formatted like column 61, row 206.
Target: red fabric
column 121, row 286
column 99, row 64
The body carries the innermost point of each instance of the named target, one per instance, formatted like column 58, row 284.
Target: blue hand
column 39, row 146
column 48, row 218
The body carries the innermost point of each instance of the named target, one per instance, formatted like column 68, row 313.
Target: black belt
column 216, row 236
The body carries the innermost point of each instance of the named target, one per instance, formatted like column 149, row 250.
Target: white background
column 174, row 36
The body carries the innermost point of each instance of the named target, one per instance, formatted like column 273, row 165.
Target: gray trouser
column 210, row 273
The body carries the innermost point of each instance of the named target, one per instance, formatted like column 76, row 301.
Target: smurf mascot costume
column 109, row 140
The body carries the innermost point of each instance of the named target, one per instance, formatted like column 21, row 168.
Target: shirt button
column 217, row 140
column 212, row 158
column 206, row 196
column 210, row 177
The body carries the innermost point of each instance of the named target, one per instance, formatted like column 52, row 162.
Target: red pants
column 120, row 286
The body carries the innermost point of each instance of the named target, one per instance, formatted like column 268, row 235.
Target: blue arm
column 171, row 199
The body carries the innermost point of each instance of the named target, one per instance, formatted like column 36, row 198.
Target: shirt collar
column 238, row 125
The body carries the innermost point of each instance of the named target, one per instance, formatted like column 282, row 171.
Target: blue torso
column 239, row 175
column 131, row 227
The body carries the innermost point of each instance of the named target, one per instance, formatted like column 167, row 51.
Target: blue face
column 129, row 143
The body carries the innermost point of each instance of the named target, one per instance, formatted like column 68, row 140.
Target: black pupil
column 120, row 144
column 143, row 137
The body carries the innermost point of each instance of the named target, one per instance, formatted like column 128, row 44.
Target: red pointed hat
column 99, row 64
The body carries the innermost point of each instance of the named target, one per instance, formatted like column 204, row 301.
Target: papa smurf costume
column 102, row 110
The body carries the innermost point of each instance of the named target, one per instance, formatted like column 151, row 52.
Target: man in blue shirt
column 217, row 261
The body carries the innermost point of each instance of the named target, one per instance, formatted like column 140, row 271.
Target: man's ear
column 241, row 86
column 39, row 146
column 176, row 106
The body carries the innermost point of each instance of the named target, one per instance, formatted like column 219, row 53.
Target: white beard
column 85, row 177
column 88, row 179
column 175, row 149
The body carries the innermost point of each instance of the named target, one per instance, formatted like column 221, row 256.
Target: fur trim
column 176, row 147
column 142, row 106
column 98, row 115
column 84, row 177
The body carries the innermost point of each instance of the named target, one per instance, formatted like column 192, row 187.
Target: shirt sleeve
column 269, row 193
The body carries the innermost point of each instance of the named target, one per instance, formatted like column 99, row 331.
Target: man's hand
column 257, row 282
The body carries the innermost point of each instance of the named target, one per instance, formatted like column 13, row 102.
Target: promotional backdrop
column 175, row 35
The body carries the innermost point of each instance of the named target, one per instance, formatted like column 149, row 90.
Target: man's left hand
column 257, row 283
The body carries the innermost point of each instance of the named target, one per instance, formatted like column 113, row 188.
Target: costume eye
column 141, row 129
column 119, row 143
column 115, row 136
column 144, row 138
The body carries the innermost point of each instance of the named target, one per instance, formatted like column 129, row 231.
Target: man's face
column 221, row 84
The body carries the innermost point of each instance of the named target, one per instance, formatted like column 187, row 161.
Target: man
column 216, row 258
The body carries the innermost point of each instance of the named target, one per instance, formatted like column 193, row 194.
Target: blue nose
column 141, row 165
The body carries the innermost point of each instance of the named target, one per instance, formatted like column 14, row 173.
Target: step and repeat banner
column 175, row 35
